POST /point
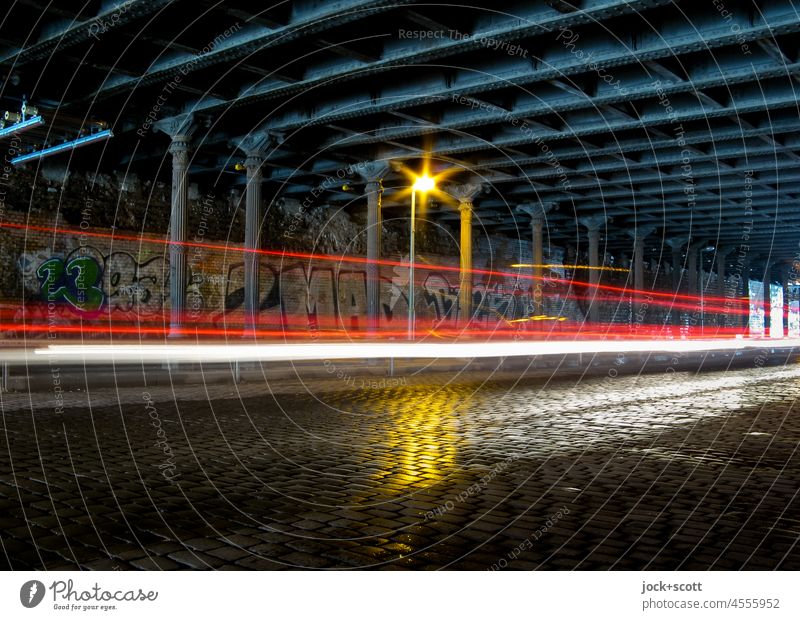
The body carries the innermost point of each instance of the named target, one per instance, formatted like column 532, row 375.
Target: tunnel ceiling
column 673, row 114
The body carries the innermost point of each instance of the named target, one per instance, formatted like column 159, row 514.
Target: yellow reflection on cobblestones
column 420, row 444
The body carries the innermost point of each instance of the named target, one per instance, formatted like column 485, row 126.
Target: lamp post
column 422, row 184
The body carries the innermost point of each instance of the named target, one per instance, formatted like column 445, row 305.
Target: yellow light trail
column 554, row 266
column 538, row 317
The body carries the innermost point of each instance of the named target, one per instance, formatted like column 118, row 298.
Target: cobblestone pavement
column 668, row 471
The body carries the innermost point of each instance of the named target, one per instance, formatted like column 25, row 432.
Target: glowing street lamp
column 422, row 184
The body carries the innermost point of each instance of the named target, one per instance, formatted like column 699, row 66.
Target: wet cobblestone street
column 666, row 471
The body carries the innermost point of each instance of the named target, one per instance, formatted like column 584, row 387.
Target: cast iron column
column 639, row 235
column 785, row 275
column 743, row 291
column 677, row 273
column 373, row 173
column 593, row 225
column 722, row 292
column 465, row 194
column 767, row 300
column 538, row 211
column 252, row 238
column 180, row 130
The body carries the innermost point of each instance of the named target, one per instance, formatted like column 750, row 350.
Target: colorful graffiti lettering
column 87, row 280
column 301, row 291
column 75, row 283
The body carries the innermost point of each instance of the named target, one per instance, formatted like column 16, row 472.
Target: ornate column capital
column 254, row 146
column 464, row 192
column 179, row 128
column 641, row 232
column 180, row 153
column 677, row 243
column 537, row 210
column 594, row 223
column 373, row 172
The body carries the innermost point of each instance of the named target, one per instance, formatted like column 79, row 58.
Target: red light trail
column 644, row 294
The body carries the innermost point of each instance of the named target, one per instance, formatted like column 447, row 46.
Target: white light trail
column 153, row 353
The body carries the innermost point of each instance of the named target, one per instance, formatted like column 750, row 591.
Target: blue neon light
column 64, row 146
column 29, row 123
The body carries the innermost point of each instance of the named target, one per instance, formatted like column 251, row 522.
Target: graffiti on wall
column 86, row 281
column 309, row 293
column 133, row 286
column 74, row 282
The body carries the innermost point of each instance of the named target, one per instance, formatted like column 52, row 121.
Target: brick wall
column 54, row 225
column 133, row 281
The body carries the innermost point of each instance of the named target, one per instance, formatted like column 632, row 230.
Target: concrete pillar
column 465, row 194
column 593, row 226
column 373, row 173
column 538, row 212
column 180, row 130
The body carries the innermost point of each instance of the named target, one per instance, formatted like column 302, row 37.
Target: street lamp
column 422, row 184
